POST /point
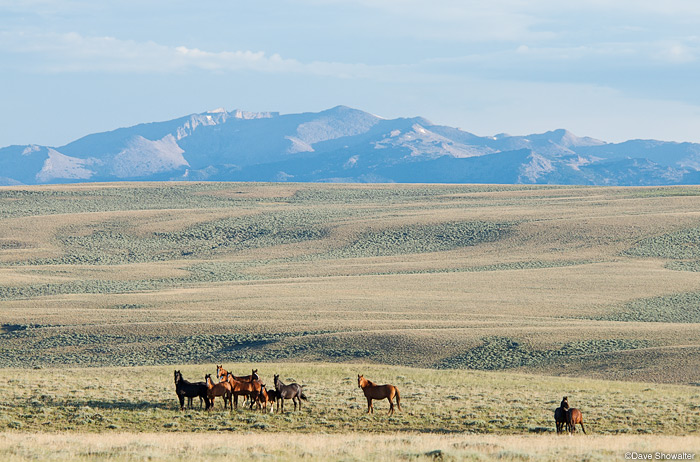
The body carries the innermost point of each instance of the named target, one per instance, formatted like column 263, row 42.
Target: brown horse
column 373, row 391
column 240, row 387
column 573, row 417
column 266, row 397
column 222, row 389
column 222, row 374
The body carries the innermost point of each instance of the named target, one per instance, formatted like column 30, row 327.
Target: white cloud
column 72, row 52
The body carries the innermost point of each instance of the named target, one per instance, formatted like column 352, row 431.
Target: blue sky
column 611, row 70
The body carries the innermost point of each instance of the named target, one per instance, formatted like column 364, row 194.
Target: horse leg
column 584, row 430
column 294, row 400
column 391, row 405
column 182, row 402
column 369, row 405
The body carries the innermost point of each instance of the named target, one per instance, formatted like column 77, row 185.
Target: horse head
column 178, row 376
column 361, row 380
column 254, row 375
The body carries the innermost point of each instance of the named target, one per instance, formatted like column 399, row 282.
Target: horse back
column 380, row 391
column 574, row 416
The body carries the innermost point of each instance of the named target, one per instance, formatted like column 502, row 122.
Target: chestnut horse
column 266, row 397
column 249, row 389
column 573, row 417
column 222, row 375
column 222, row 389
column 373, row 391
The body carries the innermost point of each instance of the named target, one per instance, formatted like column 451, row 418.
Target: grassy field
column 572, row 281
column 450, row 414
column 484, row 304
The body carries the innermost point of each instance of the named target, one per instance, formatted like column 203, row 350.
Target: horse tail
column 398, row 398
column 303, row 396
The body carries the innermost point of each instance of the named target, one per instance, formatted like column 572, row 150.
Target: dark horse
column 185, row 389
column 573, row 417
column 560, row 415
column 292, row 391
column 373, row 391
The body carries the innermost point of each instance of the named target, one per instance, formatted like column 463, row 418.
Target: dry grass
column 189, row 273
column 109, row 399
column 16, row 447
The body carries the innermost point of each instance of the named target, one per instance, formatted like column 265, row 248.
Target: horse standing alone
column 373, row 391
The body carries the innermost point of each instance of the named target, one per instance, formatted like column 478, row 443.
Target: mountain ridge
column 343, row 144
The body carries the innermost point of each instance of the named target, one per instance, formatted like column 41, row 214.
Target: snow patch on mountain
column 61, row 166
column 425, row 143
column 144, row 157
column 298, row 145
column 351, row 162
column 30, row 149
column 536, row 168
column 238, row 114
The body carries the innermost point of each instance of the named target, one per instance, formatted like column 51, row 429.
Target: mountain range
column 344, row 145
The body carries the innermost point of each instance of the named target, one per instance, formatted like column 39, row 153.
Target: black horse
column 185, row 389
column 560, row 414
column 292, row 391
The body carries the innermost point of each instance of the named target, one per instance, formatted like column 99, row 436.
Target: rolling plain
column 484, row 304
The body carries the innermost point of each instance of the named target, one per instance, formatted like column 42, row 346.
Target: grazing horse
column 573, row 417
column 373, row 391
column 185, row 389
column 560, row 415
column 292, row 391
column 241, row 387
column 222, row 389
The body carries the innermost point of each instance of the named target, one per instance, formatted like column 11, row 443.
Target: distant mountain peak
column 343, row 144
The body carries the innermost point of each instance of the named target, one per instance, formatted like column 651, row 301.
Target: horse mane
column 369, row 382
